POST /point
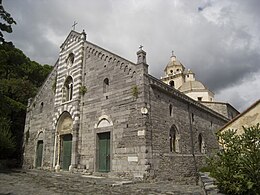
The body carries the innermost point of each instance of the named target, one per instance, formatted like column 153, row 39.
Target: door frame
column 36, row 157
column 96, row 167
column 62, row 152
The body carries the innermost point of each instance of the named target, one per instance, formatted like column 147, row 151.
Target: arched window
column 174, row 139
column 105, row 85
column 171, row 83
column 70, row 59
column 170, row 109
column 201, row 144
column 41, row 107
column 68, row 89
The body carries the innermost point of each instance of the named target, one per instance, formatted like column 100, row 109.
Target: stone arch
column 174, row 137
column 129, row 71
column 40, row 135
column 125, row 69
column 110, row 59
column 65, row 123
column 104, row 121
column 122, row 64
column 133, row 74
column 63, row 151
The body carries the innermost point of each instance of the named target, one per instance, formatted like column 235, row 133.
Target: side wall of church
column 38, row 124
column 222, row 108
column 114, row 93
column 168, row 110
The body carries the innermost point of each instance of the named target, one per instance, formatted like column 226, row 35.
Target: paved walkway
column 37, row 182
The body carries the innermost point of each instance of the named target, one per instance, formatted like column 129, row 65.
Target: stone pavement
column 38, row 182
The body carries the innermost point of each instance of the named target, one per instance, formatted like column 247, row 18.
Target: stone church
column 99, row 113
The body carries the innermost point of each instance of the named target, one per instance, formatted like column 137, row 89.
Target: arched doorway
column 103, row 158
column 39, row 150
column 64, row 129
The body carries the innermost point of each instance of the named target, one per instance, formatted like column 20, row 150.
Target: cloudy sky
column 218, row 39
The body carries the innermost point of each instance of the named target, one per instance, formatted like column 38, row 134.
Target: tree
column 7, row 22
column 20, row 79
column 237, row 167
column 7, row 142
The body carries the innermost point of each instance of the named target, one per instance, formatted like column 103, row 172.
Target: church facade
column 100, row 113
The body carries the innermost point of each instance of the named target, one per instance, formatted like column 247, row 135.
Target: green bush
column 7, row 143
column 237, row 166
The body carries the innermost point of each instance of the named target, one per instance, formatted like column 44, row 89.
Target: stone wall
column 190, row 119
column 223, row 108
column 119, row 106
column 38, row 124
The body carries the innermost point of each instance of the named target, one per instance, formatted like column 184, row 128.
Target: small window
column 174, row 139
column 68, row 89
column 171, row 71
column 41, row 107
column 171, row 83
column 201, row 144
column 192, row 117
column 187, row 76
column 170, row 109
column 105, row 85
column 70, row 59
column 199, row 98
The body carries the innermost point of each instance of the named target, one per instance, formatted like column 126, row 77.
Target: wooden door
column 104, row 152
column 39, row 151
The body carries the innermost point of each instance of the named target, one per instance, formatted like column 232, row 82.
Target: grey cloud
column 220, row 44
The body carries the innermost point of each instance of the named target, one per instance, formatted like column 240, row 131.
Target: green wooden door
column 104, row 152
column 66, row 151
column 39, row 151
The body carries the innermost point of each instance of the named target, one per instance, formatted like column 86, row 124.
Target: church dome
column 174, row 63
column 192, row 85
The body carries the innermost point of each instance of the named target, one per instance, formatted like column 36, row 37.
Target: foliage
column 135, row 91
column 20, row 79
column 237, row 167
column 7, row 142
column 6, row 24
column 82, row 90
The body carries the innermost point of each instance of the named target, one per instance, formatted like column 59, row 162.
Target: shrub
column 237, row 166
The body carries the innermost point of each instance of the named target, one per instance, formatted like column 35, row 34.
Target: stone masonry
column 98, row 112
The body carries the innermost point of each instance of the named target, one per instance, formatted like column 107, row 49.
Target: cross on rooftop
column 141, row 47
column 172, row 53
column 74, row 25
